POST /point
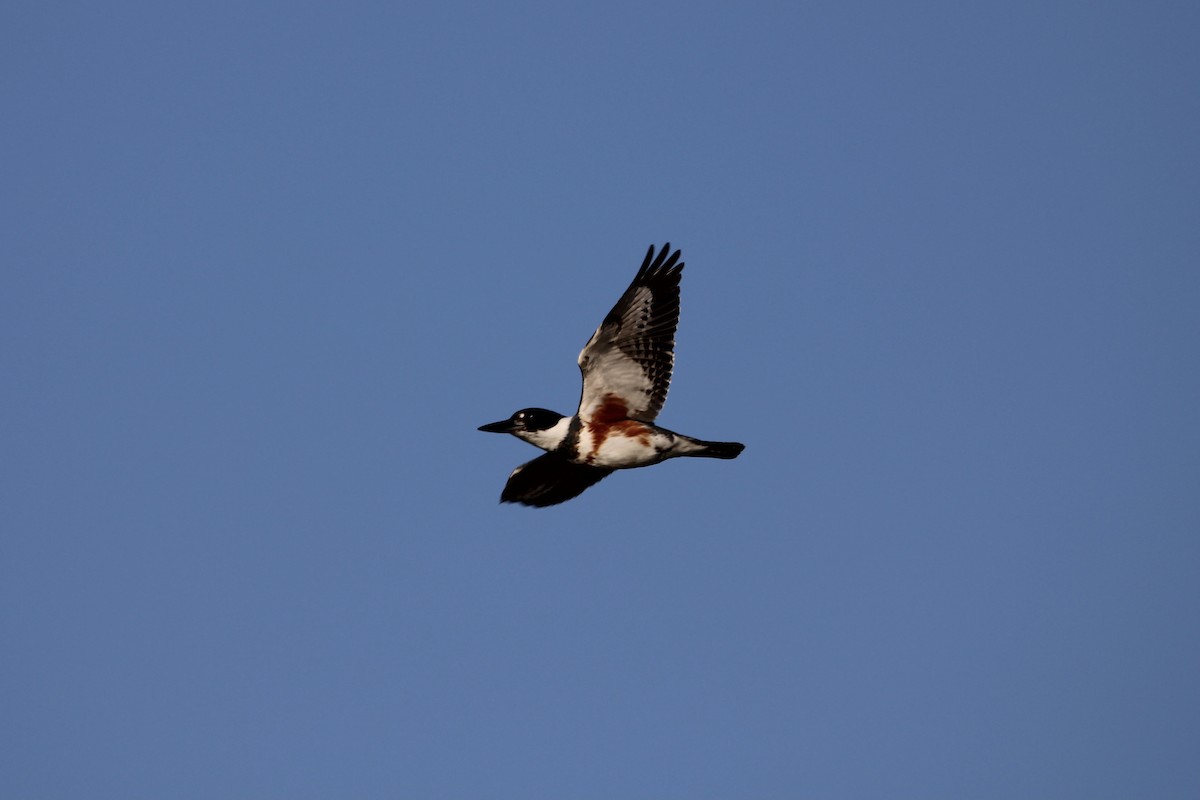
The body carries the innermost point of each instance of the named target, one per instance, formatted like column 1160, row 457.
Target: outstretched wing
column 627, row 363
column 548, row 480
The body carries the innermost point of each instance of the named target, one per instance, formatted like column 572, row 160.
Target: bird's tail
column 717, row 449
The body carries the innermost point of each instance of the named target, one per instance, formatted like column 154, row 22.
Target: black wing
column 548, row 480
column 628, row 360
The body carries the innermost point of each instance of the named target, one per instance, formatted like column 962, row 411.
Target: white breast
column 621, row 448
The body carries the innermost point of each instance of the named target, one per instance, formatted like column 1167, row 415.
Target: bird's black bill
column 503, row 426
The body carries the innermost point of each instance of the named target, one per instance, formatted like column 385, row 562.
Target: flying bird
column 626, row 368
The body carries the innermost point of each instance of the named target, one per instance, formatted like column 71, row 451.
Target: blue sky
column 267, row 266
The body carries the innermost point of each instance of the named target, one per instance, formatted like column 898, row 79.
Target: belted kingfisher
column 626, row 368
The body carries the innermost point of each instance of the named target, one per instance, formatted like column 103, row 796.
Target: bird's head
column 538, row 426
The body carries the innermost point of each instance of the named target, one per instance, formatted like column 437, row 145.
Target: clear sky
column 265, row 267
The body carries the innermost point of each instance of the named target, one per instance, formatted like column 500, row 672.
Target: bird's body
column 626, row 368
